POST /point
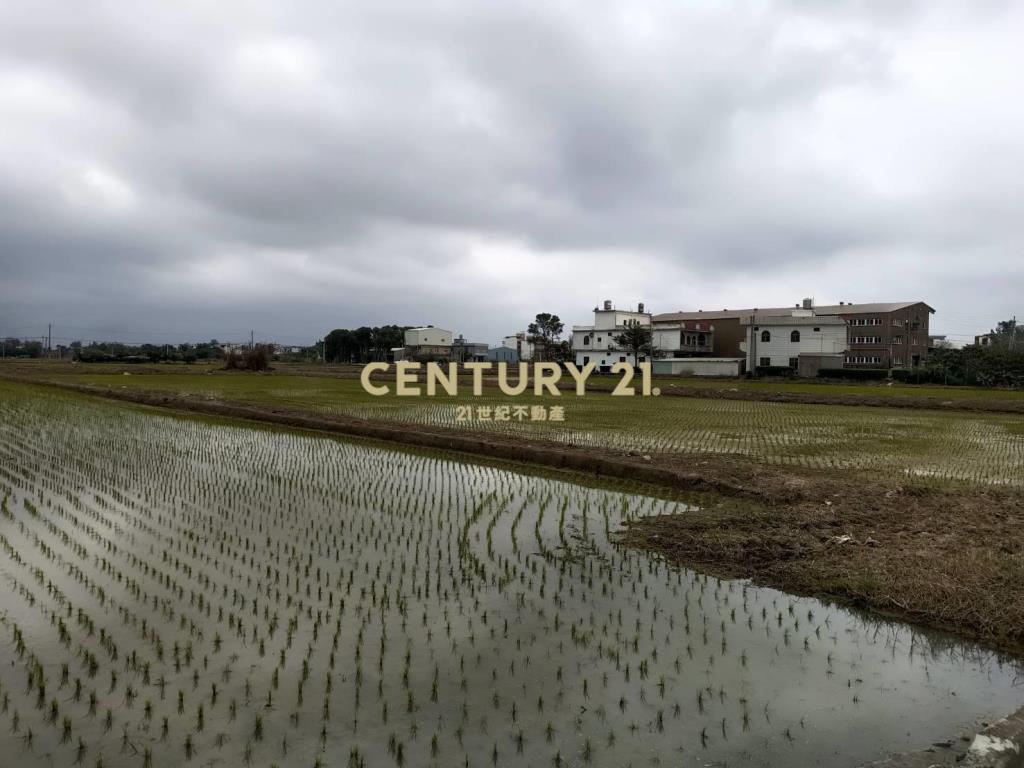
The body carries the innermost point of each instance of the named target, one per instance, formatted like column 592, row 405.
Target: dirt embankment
column 949, row 557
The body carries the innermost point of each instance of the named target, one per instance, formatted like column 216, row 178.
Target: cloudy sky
column 188, row 170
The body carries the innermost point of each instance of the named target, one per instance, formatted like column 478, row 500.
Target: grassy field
column 805, row 386
column 867, row 389
column 891, row 442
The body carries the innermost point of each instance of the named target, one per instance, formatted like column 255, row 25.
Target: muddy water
column 238, row 596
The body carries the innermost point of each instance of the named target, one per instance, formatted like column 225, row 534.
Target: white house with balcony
column 683, row 338
column 596, row 343
column 801, row 341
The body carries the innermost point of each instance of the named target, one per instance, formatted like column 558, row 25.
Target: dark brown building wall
column 902, row 337
column 728, row 335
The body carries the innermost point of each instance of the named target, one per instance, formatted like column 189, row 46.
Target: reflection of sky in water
column 541, row 643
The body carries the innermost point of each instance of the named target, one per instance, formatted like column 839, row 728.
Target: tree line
column 364, row 344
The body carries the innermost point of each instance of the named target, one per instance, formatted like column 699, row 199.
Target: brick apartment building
column 879, row 335
column 884, row 335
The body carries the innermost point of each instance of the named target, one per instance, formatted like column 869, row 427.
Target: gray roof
column 825, row 309
column 789, row 320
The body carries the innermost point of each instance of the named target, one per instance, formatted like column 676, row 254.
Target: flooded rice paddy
column 179, row 592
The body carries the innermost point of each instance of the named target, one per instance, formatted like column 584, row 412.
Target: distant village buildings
column 804, row 338
column 802, row 341
column 596, row 343
column 521, row 343
column 425, row 343
column 877, row 335
column 468, row 351
column 432, row 343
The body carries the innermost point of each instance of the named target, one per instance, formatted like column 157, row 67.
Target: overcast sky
column 188, row 170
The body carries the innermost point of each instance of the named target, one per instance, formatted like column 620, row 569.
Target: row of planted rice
column 180, row 592
column 982, row 448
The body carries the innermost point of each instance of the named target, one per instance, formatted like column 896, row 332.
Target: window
column 599, row 338
column 817, row 330
column 897, row 360
column 897, row 323
column 766, row 362
column 795, row 337
column 586, row 359
column 897, row 339
column 794, row 363
column 586, row 340
column 701, row 340
column 622, row 359
column 766, row 336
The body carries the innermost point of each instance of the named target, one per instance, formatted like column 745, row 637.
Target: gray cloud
column 181, row 171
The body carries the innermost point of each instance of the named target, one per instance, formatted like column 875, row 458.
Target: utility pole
column 49, row 339
column 752, row 346
column 252, row 335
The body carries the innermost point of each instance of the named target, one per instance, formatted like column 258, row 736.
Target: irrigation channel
column 183, row 592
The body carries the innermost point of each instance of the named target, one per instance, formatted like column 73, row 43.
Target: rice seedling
column 272, row 597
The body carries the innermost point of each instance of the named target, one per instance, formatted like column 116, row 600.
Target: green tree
column 340, row 346
column 1009, row 335
column 636, row 339
column 545, row 333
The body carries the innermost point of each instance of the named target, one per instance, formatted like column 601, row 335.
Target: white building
column 521, row 343
column 428, row 336
column 683, row 338
column 802, row 341
column 596, row 343
column 427, row 342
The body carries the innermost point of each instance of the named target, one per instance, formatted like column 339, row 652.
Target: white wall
column 827, row 340
column 601, row 357
column 599, row 339
column 665, row 339
column 699, row 366
column 608, row 323
column 668, row 338
column 606, row 319
column 522, row 345
column 432, row 337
